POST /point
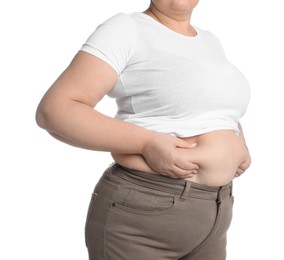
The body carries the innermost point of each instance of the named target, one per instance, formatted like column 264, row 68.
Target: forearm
column 80, row 125
column 67, row 112
column 132, row 161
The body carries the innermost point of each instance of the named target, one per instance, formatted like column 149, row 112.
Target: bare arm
column 67, row 112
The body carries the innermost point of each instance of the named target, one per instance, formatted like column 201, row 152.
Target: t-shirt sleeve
column 113, row 41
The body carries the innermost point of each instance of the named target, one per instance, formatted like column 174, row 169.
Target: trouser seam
column 149, row 186
column 185, row 192
column 214, row 228
column 106, row 225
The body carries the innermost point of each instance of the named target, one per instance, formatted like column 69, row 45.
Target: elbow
column 43, row 116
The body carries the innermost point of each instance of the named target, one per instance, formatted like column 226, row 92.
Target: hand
column 160, row 153
column 243, row 166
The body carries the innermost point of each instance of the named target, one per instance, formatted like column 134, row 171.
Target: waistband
column 183, row 188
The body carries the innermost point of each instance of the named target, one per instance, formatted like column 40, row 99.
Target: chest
column 185, row 82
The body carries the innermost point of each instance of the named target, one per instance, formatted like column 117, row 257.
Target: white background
column 46, row 185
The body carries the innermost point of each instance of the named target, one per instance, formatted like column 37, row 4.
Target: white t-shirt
column 169, row 82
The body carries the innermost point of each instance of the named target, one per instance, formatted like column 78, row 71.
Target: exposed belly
column 218, row 154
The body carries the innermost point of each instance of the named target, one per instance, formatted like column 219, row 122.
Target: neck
column 177, row 21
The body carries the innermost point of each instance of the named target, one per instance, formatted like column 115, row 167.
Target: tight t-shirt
column 168, row 82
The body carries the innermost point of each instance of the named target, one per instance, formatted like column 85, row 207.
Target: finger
column 183, row 144
column 179, row 173
column 176, row 173
column 244, row 165
column 186, row 165
column 239, row 172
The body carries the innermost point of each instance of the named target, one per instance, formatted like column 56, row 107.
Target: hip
column 132, row 204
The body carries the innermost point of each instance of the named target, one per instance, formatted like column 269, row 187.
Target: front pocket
column 143, row 201
column 91, row 206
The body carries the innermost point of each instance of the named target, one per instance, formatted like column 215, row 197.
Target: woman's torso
column 174, row 84
column 178, row 85
column 218, row 154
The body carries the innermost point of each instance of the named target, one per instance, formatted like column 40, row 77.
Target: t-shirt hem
column 92, row 50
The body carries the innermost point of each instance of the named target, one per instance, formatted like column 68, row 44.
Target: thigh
column 129, row 221
column 138, row 224
column 215, row 249
column 97, row 216
column 214, row 246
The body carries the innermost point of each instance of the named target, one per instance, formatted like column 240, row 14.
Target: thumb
column 184, row 144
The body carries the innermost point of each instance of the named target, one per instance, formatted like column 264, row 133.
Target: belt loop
column 185, row 191
column 219, row 195
column 112, row 168
column 224, row 191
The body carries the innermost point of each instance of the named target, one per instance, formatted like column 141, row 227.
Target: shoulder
column 113, row 41
column 120, row 20
column 119, row 26
column 209, row 36
column 205, row 32
column 212, row 39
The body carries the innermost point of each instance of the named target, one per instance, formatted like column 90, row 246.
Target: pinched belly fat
column 218, row 154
